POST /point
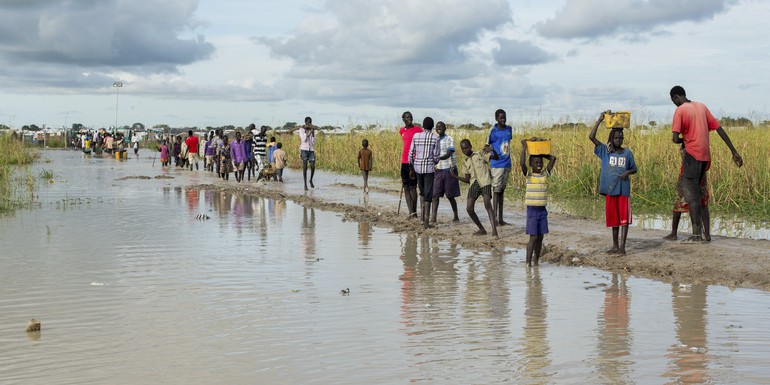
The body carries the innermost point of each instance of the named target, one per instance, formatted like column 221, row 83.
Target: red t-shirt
column 694, row 121
column 192, row 144
column 406, row 136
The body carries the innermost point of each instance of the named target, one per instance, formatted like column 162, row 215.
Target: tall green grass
column 742, row 190
column 16, row 183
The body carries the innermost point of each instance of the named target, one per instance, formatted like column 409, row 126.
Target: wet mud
column 573, row 241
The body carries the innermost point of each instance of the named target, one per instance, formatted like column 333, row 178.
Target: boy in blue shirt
column 617, row 164
column 500, row 140
column 535, row 198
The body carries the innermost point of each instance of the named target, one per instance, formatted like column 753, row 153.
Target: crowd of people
column 102, row 141
column 429, row 169
column 245, row 155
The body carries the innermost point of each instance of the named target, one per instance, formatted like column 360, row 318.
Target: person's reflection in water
column 690, row 358
column 259, row 215
column 223, row 206
column 614, row 338
column 209, row 197
column 409, row 259
column 179, row 194
column 307, row 233
column 239, row 212
column 192, row 201
column 280, row 211
column 364, row 234
column 497, row 279
column 166, row 195
column 535, row 348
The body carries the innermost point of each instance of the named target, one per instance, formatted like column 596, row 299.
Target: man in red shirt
column 408, row 180
column 692, row 123
column 192, row 149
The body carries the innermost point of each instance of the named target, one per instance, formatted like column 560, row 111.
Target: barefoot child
column 617, row 164
column 478, row 174
column 279, row 156
column 365, row 162
column 535, row 199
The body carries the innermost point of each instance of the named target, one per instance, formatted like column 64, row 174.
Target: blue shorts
column 537, row 220
column 306, row 155
column 444, row 183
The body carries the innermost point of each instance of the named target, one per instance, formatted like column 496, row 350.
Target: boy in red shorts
column 617, row 164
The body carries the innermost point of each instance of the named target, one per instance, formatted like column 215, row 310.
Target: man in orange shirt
column 692, row 124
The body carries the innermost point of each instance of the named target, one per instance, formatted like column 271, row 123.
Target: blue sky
column 347, row 62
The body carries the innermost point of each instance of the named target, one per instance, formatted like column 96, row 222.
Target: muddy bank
column 573, row 241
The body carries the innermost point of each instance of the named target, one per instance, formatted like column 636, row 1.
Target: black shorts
column 475, row 191
column 425, row 183
column 405, row 179
column 693, row 172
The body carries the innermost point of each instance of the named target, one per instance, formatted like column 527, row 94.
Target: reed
column 13, row 152
column 16, row 184
column 744, row 190
column 46, row 174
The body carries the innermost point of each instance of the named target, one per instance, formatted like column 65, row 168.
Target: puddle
column 131, row 286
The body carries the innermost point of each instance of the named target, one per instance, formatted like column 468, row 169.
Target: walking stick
column 399, row 200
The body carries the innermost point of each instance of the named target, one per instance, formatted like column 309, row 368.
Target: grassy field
column 743, row 191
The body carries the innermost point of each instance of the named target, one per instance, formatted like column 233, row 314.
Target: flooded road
column 132, row 287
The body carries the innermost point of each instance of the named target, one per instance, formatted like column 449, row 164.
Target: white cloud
column 516, row 53
column 386, row 39
column 593, row 18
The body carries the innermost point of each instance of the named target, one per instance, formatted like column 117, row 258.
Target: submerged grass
column 17, row 185
column 743, row 191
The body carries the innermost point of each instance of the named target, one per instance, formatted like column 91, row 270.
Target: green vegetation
column 46, row 174
column 743, row 191
column 16, row 183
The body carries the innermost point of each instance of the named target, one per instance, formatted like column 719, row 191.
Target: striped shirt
column 537, row 189
column 424, row 152
column 446, row 144
column 260, row 145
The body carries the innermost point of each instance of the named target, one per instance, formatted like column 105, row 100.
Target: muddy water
column 131, row 287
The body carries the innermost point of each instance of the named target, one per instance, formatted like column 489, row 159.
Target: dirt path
column 576, row 241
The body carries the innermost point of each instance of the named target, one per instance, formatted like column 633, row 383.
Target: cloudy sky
column 347, row 62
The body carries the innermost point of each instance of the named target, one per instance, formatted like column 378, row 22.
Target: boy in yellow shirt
column 535, row 198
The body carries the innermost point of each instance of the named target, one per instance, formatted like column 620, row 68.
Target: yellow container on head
column 539, row 147
column 620, row 119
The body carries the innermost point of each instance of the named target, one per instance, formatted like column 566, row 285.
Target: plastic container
column 539, row 147
column 620, row 119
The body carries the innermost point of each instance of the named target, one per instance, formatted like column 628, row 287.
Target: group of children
column 487, row 172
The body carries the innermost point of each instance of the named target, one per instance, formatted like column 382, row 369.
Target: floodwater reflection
column 535, row 351
column 689, row 358
column 252, row 295
column 614, row 346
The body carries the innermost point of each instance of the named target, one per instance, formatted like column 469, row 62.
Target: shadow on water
column 152, row 282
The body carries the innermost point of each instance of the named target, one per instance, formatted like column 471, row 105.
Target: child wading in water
column 478, row 174
column 536, row 198
column 617, row 164
column 365, row 162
